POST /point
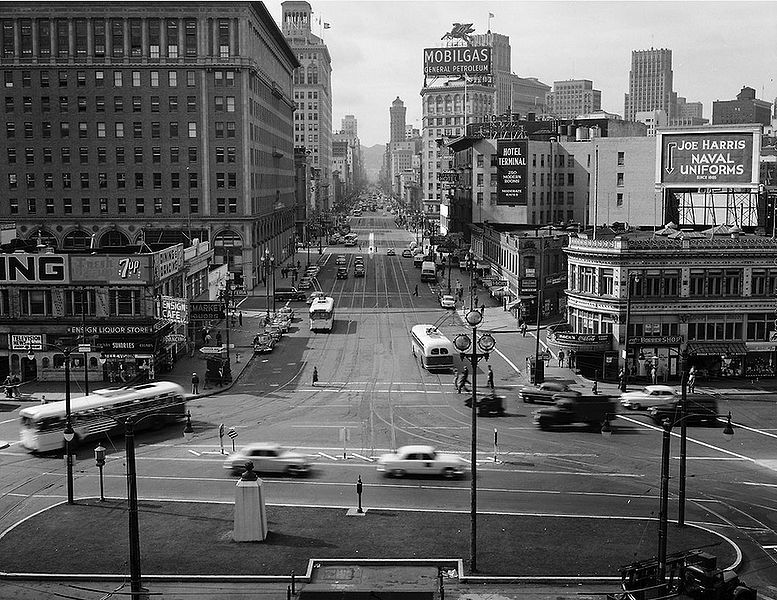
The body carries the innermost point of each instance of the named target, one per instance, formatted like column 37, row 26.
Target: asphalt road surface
column 373, row 396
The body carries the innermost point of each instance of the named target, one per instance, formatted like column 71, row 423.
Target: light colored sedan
column 268, row 457
column 421, row 460
column 448, row 301
column 650, row 395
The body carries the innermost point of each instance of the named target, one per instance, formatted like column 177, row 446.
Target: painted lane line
column 8, row 421
column 508, row 361
column 690, row 439
column 362, row 457
column 329, row 456
column 754, row 430
column 193, row 452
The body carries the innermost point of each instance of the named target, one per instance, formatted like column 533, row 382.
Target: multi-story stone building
column 572, row 98
column 710, row 294
column 745, row 109
column 159, row 122
column 312, row 97
column 650, row 83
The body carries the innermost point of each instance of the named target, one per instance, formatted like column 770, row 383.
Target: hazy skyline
column 377, row 48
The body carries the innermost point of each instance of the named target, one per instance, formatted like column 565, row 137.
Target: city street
column 372, row 396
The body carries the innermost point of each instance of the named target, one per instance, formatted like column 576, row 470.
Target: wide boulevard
column 372, row 396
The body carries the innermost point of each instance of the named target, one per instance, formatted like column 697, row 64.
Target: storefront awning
column 717, row 348
column 483, row 266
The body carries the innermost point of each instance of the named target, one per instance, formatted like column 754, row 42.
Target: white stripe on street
column 8, row 421
column 508, row 361
column 327, row 456
column 193, row 452
column 362, row 457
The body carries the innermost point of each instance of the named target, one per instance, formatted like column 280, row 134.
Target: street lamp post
column 666, row 437
column 136, row 586
column 68, row 434
column 464, row 344
column 625, row 379
column 227, row 373
column 272, row 267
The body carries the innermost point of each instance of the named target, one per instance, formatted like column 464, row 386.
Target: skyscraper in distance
column 397, row 115
column 650, row 83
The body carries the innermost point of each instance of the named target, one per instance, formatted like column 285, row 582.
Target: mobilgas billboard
column 457, row 60
column 708, row 158
column 511, row 171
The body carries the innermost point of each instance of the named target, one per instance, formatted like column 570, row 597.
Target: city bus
column 322, row 314
column 432, row 348
column 101, row 413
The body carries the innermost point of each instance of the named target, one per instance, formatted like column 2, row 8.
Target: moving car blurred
column 407, row 253
column 305, row 283
column 448, row 301
column 699, row 410
column 650, row 395
column 268, row 458
column 421, row 460
column 545, row 392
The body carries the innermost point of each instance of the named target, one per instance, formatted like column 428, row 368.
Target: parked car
column 421, row 460
column 275, row 332
column 448, row 301
column 545, row 392
column 407, row 253
column 263, row 343
column 282, row 322
column 305, row 283
column 700, row 410
column 391, row 252
column 268, row 458
column 287, row 310
column 342, row 273
column 312, row 271
column 650, row 395
column 313, row 296
column 293, row 294
column 340, row 260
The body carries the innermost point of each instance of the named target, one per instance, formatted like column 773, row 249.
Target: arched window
column 92, row 362
column 113, row 239
column 45, row 362
column 59, row 361
column 45, row 237
column 227, row 247
column 77, row 240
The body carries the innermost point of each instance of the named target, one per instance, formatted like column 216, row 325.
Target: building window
column 32, row 207
column 86, row 206
column 49, row 206
column 194, row 205
column 621, row 159
column 732, row 279
column 121, row 205
column 192, row 129
column 103, row 202
column 140, row 206
column 619, row 180
column 157, row 206
column 176, row 205
column 35, row 302
column 124, row 303
column 619, row 199
column 121, row 181
column 120, row 155
column 172, row 78
column 138, row 181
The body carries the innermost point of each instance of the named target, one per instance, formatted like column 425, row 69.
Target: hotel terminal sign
column 708, row 158
column 511, row 171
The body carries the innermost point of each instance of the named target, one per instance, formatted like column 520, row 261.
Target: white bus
column 322, row 314
column 100, row 413
column 432, row 348
column 428, row 271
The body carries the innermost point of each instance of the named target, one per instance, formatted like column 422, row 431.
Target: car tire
column 636, row 406
column 448, row 473
column 397, row 473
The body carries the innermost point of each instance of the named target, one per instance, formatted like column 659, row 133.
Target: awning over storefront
column 717, row 348
column 518, row 300
column 483, row 266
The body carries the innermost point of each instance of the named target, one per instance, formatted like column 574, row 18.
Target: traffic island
column 195, row 539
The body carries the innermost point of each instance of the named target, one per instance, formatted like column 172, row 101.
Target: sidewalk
column 498, row 319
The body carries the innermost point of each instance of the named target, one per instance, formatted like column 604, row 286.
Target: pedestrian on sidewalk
column 560, row 358
column 218, row 338
column 415, row 292
column 490, row 377
column 654, row 375
column 523, row 329
column 571, row 359
column 240, row 318
column 621, row 378
column 457, row 381
column 195, row 384
column 692, row 380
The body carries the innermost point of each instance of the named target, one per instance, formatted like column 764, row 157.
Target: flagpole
column 490, row 16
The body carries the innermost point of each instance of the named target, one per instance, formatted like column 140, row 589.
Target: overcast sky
column 377, row 48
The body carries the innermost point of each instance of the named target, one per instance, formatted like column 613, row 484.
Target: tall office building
column 156, row 122
column 500, row 67
column 349, row 125
column 313, row 97
column 650, row 83
column 397, row 115
column 572, row 98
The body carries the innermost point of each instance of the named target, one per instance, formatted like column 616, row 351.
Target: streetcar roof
column 326, row 303
column 103, row 397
